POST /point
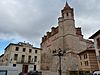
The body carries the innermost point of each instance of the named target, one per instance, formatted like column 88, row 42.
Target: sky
column 29, row 20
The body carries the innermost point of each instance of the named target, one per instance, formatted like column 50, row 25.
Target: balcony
column 25, row 62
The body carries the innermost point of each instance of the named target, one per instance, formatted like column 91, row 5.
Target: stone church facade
column 66, row 37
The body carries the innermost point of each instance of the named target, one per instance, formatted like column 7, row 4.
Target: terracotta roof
column 95, row 34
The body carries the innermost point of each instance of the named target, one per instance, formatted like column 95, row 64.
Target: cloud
column 29, row 20
column 87, row 16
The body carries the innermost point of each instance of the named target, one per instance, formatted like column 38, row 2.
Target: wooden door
column 25, row 68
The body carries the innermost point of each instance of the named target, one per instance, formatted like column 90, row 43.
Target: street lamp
column 59, row 53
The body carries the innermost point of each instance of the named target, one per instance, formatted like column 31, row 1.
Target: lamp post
column 59, row 53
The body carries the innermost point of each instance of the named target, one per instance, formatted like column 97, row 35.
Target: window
column 98, row 43
column 29, row 59
column 67, row 13
column 14, row 65
column 35, row 51
column 15, row 56
column 17, row 48
column 30, row 50
column 85, row 56
column 86, row 63
column 35, row 59
column 23, row 58
column 24, row 49
column 34, row 67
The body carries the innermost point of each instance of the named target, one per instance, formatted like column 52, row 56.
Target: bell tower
column 67, row 12
column 67, row 30
column 66, row 21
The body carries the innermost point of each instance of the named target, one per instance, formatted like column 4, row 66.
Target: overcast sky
column 29, row 20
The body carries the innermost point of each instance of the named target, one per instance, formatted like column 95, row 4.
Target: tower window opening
column 67, row 13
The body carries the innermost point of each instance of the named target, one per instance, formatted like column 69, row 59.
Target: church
column 66, row 37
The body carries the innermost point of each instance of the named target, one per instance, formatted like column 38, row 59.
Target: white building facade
column 23, row 56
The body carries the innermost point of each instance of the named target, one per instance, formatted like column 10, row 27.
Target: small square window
column 24, row 49
column 35, row 51
column 17, row 48
column 14, row 65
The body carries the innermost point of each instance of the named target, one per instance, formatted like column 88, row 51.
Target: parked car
column 96, row 73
